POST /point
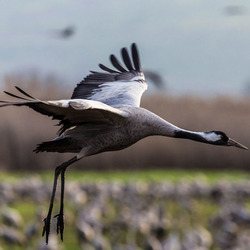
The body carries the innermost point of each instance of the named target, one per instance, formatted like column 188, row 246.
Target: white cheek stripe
column 212, row 137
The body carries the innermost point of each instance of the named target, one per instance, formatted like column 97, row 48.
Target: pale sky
column 199, row 47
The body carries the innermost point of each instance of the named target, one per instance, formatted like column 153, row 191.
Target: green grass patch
column 133, row 176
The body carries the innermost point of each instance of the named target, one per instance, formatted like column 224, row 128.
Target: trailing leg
column 60, row 216
column 60, row 223
column 46, row 227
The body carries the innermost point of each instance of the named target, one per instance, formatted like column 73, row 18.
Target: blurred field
column 148, row 176
column 21, row 129
column 158, row 210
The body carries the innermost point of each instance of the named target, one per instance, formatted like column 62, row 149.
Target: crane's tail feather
column 62, row 145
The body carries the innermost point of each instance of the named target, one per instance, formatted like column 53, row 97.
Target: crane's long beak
column 234, row 143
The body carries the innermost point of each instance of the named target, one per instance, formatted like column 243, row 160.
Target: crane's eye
column 224, row 138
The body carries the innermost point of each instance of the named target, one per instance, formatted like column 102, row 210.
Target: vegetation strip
column 136, row 175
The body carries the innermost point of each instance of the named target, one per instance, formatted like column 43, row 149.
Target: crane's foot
column 46, row 228
column 60, row 224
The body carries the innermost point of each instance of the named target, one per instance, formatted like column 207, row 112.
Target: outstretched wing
column 122, row 86
column 70, row 112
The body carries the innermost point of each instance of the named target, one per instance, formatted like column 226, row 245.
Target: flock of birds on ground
column 131, row 216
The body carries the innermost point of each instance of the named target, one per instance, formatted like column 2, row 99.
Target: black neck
column 190, row 135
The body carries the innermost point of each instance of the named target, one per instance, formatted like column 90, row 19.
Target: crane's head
column 220, row 138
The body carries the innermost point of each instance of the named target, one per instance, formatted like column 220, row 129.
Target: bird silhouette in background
column 65, row 33
column 235, row 10
column 104, row 114
column 156, row 78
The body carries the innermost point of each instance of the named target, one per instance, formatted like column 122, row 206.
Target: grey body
column 94, row 138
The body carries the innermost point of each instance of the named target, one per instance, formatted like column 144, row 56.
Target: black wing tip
column 136, row 58
column 105, row 68
column 116, row 63
column 126, row 60
column 124, row 50
column 134, row 46
column 112, row 57
column 26, row 97
column 15, row 96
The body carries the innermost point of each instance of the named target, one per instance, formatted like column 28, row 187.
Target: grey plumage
column 104, row 114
